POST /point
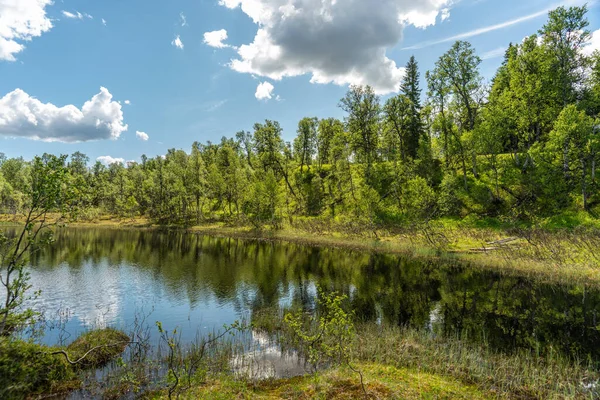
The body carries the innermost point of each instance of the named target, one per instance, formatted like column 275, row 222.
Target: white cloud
column 22, row 115
column 341, row 42
column 107, row 160
column 214, row 105
column 71, row 15
column 497, row 52
column 21, row 21
column 127, row 102
column 445, row 14
column 264, row 91
column 216, row 38
column 182, row 19
column 76, row 15
column 490, row 28
column 593, row 44
column 142, row 135
column 177, row 42
column 103, row 22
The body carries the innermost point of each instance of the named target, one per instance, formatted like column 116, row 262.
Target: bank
column 564, row 249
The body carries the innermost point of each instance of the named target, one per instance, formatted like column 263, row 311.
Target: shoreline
column 475, row 247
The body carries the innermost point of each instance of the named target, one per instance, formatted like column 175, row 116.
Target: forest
column 523, row 146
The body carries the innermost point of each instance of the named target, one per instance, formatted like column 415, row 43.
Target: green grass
column 99, row 346
column 519, row 374
column 29, row 368
column 381, row 382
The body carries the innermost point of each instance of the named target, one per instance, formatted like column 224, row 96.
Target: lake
column 107, row 277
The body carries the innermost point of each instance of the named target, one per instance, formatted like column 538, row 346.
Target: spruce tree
column 410, row 88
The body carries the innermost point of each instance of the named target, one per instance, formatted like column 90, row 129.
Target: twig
column 88, row 352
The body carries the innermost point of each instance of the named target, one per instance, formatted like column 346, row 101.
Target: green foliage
column 47, row 191
column 97, row 347
column 27, row 368
column 326, row 338
column 525, row 148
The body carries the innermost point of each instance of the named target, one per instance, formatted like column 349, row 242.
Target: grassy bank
column 383, row 382
column 399, row 363
column 395, row 363
column 31, row 370
column 565, row 248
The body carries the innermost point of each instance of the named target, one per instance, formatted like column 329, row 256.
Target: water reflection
column 198, row 282
column 265, row 359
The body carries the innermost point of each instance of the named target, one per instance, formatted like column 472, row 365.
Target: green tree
column 48, row 191
column 564, row 35
column 362, row 122
column 575, row 139
column 305, row 143
column 410, row 88
column 397, row 121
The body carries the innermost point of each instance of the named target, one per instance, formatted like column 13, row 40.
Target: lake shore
column 553, row 255
column 396, row 362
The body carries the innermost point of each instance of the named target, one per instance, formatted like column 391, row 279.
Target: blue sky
column 305, row 54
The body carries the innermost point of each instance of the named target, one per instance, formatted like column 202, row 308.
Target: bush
column 110, row 344
column 27, row 368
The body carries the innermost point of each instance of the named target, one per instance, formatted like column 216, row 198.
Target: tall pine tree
column 410, row 88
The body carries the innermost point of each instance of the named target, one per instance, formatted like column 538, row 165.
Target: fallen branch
column 88, row 352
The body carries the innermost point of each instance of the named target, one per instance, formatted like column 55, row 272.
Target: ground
column 381, row 382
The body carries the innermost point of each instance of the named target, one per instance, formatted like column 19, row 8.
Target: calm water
column 99, row 277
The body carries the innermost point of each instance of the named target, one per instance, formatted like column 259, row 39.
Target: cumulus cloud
column 593, row 44
column 127, row 102
column 341, row 42
column 107, row 160
column 177, row 42
column 445, row 14
column 216, row 38
column 103, row 22
column 22, row 115
column 264, row 91
column 182, row 19
column 142, row 135
column 21, row 21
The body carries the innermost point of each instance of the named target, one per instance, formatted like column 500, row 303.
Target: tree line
column 524, row 145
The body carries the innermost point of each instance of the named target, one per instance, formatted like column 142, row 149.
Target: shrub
column 27, row 368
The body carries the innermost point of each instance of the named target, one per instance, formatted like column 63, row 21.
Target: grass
column 28, row 369
column 530, row 373
column 400, row 363
column 99, row 346
column 519, row 374
column 382, row 382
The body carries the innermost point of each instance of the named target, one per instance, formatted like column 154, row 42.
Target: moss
column 28, row 368
column 383, row 382
column 107, row 343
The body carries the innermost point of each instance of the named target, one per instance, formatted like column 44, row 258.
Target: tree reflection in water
column 199, row 282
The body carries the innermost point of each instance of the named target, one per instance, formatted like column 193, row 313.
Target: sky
column 116, row 79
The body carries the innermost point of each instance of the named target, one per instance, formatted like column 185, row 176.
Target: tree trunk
column 583, row 184
column 566, row 162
